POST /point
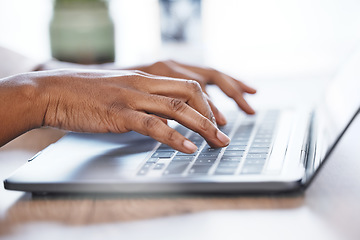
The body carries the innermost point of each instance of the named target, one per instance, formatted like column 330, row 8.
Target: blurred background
column 256, row 39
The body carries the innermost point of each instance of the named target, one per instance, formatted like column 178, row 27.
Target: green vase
column 82, row 31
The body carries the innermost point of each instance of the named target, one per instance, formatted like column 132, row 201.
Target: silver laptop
column 274, row 151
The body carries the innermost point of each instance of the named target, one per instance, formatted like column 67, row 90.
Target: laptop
column 276, row 150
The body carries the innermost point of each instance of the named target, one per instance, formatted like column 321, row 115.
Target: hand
column 233, row 88
column 120, row 101
column 230, row 86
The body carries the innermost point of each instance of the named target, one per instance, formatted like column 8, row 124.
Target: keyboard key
column 208, row 149
column 255, row 161
column 196, row 137
column 152, row 160
column 256, row 155
column 240, row 139
column 204, row 161
column 162, row 154
column 238, row 143
column 181, row 129
column 226, row 130
column 198, row 143
column 145, row 169
column 259, row 135
column 230, row 159
column 265, row 131
column 228, row 164
column 147, row 165
column 245, row 128
column 159, row 166
column 260, row 145
column 233, row 154
column 187, row 154
column 175, row 168
column 236, row 148
column 199, row 169
column 208, row 155
column 143, row 172
column 251, row 169
column 164, row 147
column 262, row 140
column 224, row 171
column 259, row 150
column 183, row 158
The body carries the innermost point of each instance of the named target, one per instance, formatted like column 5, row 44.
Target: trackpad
column 88, row 157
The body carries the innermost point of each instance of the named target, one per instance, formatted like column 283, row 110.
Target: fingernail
column 190, row 146
column 222, row 137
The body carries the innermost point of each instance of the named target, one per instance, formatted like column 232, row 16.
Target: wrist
column 21, row 106
column 29, row 99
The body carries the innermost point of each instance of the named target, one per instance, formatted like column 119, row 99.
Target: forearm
column 20, row 106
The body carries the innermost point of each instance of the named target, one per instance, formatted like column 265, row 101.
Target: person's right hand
column 120, row 101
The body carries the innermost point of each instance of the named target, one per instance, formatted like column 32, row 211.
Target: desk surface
column 329, row 209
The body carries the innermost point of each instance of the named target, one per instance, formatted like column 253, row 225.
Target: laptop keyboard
column 247, row 153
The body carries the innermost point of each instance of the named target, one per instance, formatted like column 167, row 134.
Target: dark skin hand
column 232, row 87
column 119, row 101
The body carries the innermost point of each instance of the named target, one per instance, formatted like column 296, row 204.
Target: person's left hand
column 233, row 88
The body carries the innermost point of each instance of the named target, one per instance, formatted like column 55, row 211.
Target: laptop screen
column 340, row 103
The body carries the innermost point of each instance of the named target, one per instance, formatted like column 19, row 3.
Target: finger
column 220, row 118
column 199, row 70
column 164, row 120
column 186, row 90
column 243, row 104
column 172, row 69
column 244, row 87
column 181, row 112
column 232, row 90
column 152, row 126
column 210, row 72
column 230, row 86
column 179, row 71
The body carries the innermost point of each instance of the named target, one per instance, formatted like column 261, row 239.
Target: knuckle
column 114, row 109
column 150, row 122
column 162, row 68
column 204, row 124
column 177, row 105
column 194, row 86
column 112, row 114
column 159, row 64
column 214, row 71
column 232, row 93
column 171, row 135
